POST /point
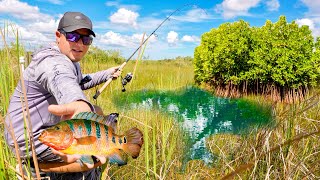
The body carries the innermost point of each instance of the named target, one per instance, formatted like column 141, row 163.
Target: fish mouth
column 53, row 145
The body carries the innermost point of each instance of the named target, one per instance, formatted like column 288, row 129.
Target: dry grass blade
column 238, row 171
column 138, row 58
column 28, row 123
column 16, row 147
column 136, row 120
column 14, row 169
column 250, row 164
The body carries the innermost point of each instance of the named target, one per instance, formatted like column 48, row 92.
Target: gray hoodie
column 51, row 78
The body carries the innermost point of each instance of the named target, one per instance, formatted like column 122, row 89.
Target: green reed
column 154, row 150
column 146, row 146
column 9, row 56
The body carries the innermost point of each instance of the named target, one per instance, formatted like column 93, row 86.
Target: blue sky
column 120, row 24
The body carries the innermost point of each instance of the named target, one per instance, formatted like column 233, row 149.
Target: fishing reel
column 126, row 80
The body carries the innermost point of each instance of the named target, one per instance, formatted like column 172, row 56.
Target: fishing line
column 153, row 33
column 138, row 58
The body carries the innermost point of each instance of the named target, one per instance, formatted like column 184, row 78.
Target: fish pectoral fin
column 86, row 140
column 119, row 157
column 86, row 159
column 102, row 159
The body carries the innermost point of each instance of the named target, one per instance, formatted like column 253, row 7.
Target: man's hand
column 67, row 111
column 65, row 157
column 115, row 72
column 73, row 158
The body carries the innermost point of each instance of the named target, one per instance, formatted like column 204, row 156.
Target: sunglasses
column 75, row 37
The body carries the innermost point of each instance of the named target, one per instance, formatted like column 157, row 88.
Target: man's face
column 73, row 50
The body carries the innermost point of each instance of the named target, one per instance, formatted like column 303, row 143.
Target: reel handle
column 107, row 83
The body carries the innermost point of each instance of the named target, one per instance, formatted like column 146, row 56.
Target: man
column 54, row 77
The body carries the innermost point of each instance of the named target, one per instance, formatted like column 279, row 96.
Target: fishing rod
column 127, row 78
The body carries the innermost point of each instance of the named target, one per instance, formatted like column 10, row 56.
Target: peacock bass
column 90, row 134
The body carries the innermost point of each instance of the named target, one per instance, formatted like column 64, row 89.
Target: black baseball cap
column 72, row 21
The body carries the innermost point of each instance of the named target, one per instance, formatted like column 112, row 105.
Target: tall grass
column 9, row 55
column 288, row 150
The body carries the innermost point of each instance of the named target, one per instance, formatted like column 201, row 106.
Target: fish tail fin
column 133, row 142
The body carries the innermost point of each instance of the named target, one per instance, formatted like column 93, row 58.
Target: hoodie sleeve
column 97, row 78
column 59, row 77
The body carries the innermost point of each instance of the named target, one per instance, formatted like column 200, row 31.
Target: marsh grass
column 290, row 150
column 161, row 152
column 8, row 79
column 287, row 150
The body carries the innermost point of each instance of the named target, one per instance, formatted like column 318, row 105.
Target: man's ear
column 58, row 35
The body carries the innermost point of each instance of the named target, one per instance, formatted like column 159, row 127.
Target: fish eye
column 57, row 128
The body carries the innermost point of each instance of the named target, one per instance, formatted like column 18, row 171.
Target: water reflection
column 201, row 114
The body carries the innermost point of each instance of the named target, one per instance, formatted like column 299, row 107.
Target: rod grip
column 107, row 83
column 102, row 88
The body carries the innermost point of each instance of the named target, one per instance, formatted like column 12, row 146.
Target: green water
column 200, row 114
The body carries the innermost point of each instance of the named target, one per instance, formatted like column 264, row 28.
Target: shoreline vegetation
column 287, row 150
column 277, row 60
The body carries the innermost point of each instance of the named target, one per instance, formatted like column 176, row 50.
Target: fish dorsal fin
column 118, row 156
column 90, row 116
column 109, row 120
column 86, row 140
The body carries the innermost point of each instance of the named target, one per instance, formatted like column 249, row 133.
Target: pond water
column 200, row 114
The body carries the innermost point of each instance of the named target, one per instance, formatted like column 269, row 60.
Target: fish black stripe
column 83, row 115
column 100, row 119
column 70, row 123
column 113, row 139
column 106, row 131
column 80, row 129
column 120, row 141
column 88, row 126
column 90, row 115
column 94, row 117
column 98, row 130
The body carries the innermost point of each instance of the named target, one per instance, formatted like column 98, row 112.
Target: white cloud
column 194, row 15
column 22, row 10
column 188, row 38
column 311, row 23
column 233, row 8
column 112, row 38
column 112, row 3
column 138, row 37
column 124, row 16
column 307, row 22
column 273, row 5
column 172, row 37
column 28, row 38
column 58, row 2
column 45, row 27
column 312, row 16
column 125, row 6
column 313, row 5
